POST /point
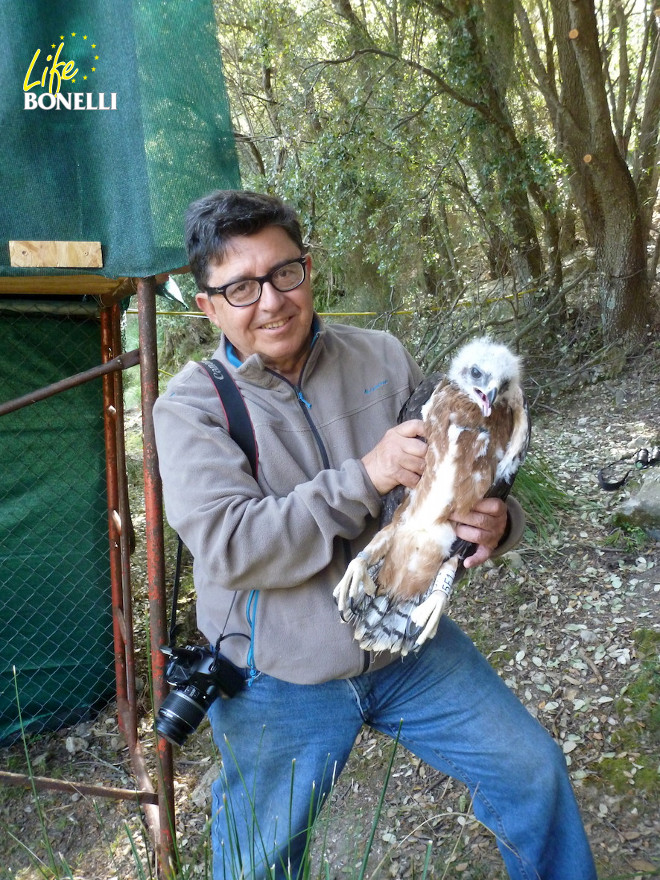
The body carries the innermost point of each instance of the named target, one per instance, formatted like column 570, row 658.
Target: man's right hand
column 399, row 458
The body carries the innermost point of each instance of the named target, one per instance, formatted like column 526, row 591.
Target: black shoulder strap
column 241, row 431
column 238, row 418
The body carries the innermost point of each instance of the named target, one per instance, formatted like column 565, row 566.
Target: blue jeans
column 283, row 745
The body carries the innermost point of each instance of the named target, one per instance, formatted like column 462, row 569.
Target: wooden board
column 106, row 289
column 56, row 254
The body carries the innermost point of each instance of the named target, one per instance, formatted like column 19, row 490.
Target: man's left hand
column 484, row 526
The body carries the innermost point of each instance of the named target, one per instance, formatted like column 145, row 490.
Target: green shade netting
column 122, row 177
column 55, row 603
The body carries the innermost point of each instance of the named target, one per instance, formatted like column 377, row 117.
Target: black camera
column 198, row 676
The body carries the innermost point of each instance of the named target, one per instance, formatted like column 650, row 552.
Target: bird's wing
column 515, row 455
column 411, row 409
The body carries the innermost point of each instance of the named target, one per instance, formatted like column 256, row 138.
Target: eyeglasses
column 247, row 291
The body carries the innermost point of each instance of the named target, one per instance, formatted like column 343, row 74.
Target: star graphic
column 73, row 35
column 84, row 77
column 93, row 68
column 96, row 58
column 52, row 45
column 84, row 38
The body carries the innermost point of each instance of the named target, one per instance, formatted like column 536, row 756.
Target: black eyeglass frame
column 212, row 291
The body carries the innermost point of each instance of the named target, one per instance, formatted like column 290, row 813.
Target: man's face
column 278, row 325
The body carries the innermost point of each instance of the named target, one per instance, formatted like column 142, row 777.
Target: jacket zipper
column 305, row 405
column 251, row 613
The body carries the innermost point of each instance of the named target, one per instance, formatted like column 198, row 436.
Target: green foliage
column 366, row 148
column 627, row 538
column 412, row 138
column 540, row 496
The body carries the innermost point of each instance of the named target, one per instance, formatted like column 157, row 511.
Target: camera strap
column 241, row 432
column 238, row 418
column 643, row 458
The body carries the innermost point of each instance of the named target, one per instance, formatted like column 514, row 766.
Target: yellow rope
column 192, row 314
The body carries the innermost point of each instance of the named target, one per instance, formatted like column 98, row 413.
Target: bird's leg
column 355, row 579
column 362, row 573
column 427, row 615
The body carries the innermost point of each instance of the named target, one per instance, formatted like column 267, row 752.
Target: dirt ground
column 572, row 624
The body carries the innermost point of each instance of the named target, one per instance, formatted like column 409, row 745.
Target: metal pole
column 130, row 359
column 146, row 294
column 44, row 783
column 127, row 536
column 114, row 527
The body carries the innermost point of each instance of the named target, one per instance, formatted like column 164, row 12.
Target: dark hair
column 221, row 215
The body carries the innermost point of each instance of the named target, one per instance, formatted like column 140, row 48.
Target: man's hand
column 484, row 526
column 399, row 458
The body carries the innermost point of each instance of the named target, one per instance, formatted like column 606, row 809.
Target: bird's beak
column 486, row 399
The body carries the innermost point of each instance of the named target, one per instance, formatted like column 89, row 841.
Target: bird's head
column 485, row 370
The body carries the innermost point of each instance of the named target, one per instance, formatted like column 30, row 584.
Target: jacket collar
column 253, row 368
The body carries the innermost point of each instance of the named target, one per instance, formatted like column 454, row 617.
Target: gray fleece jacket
column 268, row 553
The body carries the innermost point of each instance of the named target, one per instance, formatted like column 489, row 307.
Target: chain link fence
column 57, row 659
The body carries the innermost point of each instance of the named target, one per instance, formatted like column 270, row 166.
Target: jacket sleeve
column 515, row 527
column 244, row 537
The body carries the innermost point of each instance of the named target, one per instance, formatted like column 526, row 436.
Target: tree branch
column 442, row 85
column 539, row 317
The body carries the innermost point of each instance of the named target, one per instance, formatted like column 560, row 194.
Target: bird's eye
column 475, row 372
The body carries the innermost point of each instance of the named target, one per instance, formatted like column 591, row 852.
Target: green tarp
column 119, row 176
column 113, row 117
column 54, row 573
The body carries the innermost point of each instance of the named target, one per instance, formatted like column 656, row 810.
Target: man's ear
column 205, row 305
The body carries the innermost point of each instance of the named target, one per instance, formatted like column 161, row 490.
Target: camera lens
column 178, row 717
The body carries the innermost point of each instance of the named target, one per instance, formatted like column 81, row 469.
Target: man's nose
column 271, row 297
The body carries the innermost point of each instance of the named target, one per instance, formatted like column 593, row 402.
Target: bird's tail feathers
column 395, row 626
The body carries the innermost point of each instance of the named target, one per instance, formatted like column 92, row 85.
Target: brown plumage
column 397, row 588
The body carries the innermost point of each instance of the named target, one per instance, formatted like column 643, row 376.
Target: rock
column 201, row 795
column 75, row 744
column 513, row 559
column 642, row 509
column 588, row 637
column 117, row 742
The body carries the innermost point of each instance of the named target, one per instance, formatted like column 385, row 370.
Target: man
column 268, row 552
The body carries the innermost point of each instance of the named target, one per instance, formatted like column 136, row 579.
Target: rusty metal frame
column 157, row 801
column 153, row 500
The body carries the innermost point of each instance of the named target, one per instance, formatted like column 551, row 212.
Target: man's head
column 221, row 215
column 247, row 255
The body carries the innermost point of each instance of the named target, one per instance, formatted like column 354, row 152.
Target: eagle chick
column 477, row 430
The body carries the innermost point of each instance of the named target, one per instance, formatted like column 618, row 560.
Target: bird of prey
column 477, row 429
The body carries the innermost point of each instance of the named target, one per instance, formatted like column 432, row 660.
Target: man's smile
column 274, row 325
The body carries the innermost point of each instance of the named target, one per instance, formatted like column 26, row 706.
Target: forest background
column 460, row 166
column 501, row 155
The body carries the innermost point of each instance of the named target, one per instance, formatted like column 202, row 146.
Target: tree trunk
column 623, row 285
column 489, row 28
column 648, row 154
column 603, row 186
column 612, row 202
